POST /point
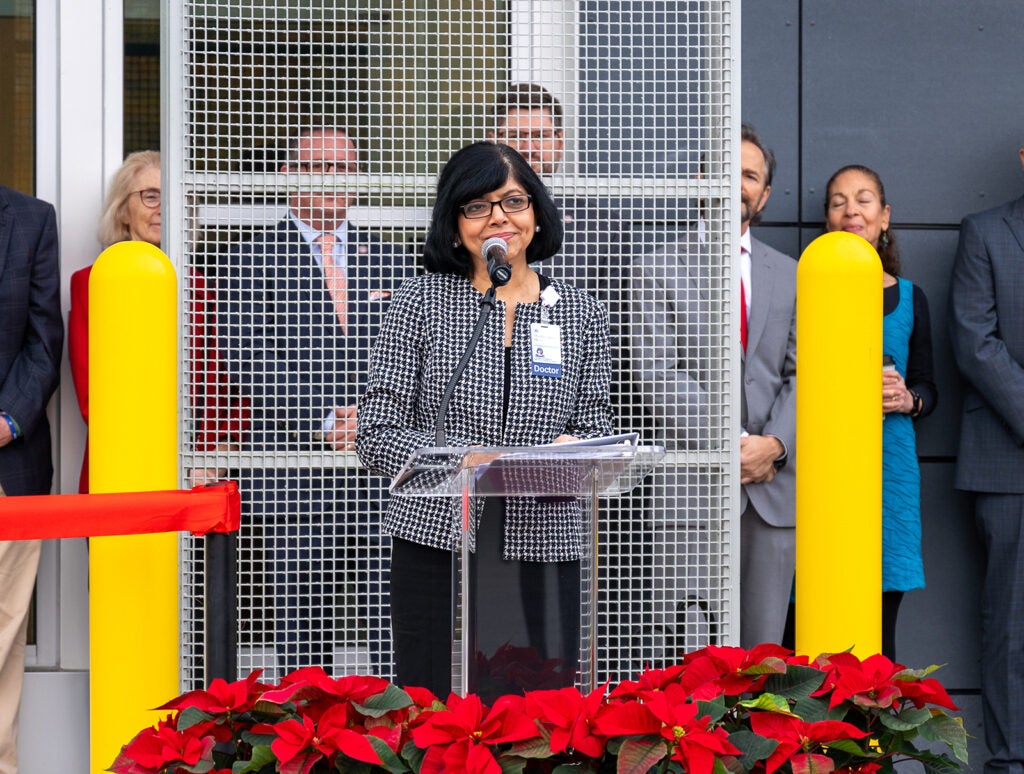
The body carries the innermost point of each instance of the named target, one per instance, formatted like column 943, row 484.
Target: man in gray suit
column 677, row 353
column 986, row 320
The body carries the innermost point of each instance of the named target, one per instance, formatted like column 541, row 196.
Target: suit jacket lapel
column 1016, row 221
column 762, row 278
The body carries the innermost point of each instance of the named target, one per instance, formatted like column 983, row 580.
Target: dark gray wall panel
column 927, row 92
column 939, row 624
column 770, row 69
column 783, row 238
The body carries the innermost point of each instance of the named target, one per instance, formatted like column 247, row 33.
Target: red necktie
column 334, row 276
column 743, row 314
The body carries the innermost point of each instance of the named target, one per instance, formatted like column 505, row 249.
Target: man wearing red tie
column 301, row 306
column 768, row 411
column 675, row 303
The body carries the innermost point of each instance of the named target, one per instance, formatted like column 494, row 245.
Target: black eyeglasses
column 150, row 197
column 483, row 208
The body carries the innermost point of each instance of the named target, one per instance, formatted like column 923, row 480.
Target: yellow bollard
column 839, row 443
column 133, row 442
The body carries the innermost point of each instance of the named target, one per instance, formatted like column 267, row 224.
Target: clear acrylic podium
column 520, row 626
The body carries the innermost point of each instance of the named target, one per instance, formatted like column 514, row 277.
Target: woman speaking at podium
column 539, row 373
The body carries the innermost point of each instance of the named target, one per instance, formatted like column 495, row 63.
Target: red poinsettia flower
column 717, row 670
column 669, row 715
column 311, row 684
column 648, row 681
column 692, row 743
column 867, row 767
column 867, row 683
column 222, row 697
column 421, row 697
column 155, row 749
column 391, row 735
column 627, row 718
column 923, row 690
column 334, row 733
column 448, row 735
column 794, row 734
column 569, row 716
column 297, row 746
column 520, row 668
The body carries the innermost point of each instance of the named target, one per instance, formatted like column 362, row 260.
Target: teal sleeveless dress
column 902, row 565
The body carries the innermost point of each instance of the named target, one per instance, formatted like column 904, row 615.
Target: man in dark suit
column 530, row 119
column 304, row 301
column 986, row 321
column 674, row 348
column 595, row 253
column 30, row 351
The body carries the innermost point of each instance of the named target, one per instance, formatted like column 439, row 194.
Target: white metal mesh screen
column 644, row 173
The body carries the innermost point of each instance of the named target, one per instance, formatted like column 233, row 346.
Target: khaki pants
column 18, row 563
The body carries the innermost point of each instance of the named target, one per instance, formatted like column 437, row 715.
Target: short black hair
column 749, row 134
column 528, row 96
column 472, row 172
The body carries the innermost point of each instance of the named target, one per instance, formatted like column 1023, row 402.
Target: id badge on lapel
column 546, row 350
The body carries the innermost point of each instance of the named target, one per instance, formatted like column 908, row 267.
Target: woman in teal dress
column 855, row 202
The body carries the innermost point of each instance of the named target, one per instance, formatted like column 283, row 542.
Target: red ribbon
column 215, row 508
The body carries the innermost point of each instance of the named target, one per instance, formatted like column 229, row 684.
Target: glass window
column 17, row 94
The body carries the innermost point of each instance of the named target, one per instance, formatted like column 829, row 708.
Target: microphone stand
column 486, row 307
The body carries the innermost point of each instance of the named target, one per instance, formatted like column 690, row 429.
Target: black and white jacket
column 424, row 334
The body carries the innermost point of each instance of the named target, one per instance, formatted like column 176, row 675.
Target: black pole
column 221, row 607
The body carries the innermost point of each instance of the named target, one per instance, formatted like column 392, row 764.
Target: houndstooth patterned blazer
column 424, row 334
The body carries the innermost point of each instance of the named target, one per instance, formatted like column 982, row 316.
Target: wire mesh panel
column 285, row 122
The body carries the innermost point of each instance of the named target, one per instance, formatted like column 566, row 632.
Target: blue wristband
column 10, row 424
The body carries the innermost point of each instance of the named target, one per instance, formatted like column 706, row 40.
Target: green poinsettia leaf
column 720, row 767
column 261, row 756
column 907, row 719
column 916, row 674
column 754, row 747
column 348, row 766
column 413, row 755
column 539, row 747
column 950, row 730
column 850, row 747
column 715, row 709
column 768, row 702
column 258, row 740
column 814, row 710
column 388, row 759
column 938, row 764
column 769, row 666
column 732, row 765
column 512, row 765
column 637, row 756
column 798, row 682
column 190, row 716
column 390, row 699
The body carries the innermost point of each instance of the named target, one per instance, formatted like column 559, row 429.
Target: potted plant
column 722, row 710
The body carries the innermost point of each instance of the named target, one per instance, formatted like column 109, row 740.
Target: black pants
column 528, row 613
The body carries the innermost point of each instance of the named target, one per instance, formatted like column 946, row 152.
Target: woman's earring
column 885, row 238
column 536, row 229
column 456, row 244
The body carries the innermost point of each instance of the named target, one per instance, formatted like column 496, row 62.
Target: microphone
column 495, row 252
